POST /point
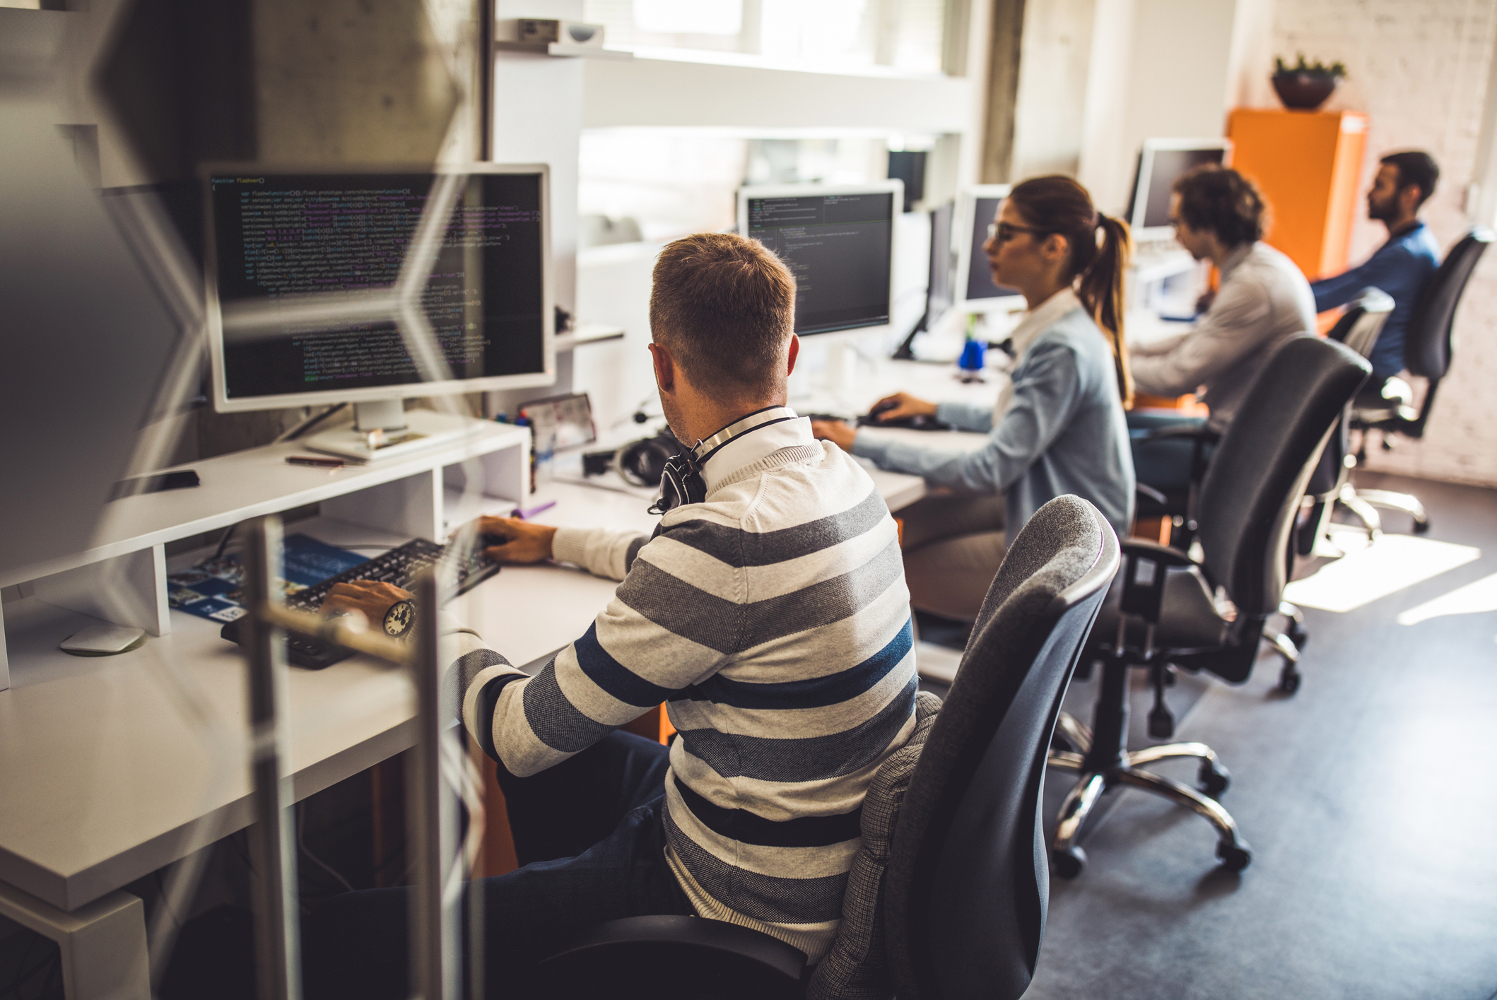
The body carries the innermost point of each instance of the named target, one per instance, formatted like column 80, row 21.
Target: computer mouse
column 916, row 422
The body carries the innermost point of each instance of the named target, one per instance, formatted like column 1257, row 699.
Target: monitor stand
column 383, row 429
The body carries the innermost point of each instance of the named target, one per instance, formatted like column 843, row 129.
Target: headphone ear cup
column 643, row 462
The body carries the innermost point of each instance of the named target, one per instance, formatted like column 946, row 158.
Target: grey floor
column 1369, row 800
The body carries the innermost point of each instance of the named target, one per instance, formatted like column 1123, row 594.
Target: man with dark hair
column 768, row 610
column 1263, row 300
column 1402, row 265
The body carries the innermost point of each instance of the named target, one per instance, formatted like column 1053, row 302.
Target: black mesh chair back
column 1426, row 352
column 1260, row 469
column 967, row 884
column 1358, row 328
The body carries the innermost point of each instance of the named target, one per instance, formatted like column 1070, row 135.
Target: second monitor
column 838, row 241
column 973, row 288
column 1160, row 164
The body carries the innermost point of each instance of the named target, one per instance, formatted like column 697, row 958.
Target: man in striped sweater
column 769, row 611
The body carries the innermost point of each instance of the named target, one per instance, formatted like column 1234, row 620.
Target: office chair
column 1165, row 608
column 960, row 908
column 1330, row 484
column 1426, row 353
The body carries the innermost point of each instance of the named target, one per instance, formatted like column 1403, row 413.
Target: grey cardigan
column 1063, row 432
column 1263, row 301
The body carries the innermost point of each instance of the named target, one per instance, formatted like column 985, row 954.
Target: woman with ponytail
column 1058, row 427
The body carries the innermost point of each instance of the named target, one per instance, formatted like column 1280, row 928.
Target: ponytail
column 1100, row 250
column 1101, row 293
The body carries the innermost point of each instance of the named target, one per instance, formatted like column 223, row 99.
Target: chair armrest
column 1145, row 549
column 1181, row 431
column 1148, row 492
column 1144, row 567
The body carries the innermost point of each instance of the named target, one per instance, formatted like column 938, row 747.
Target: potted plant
column 1305, row 86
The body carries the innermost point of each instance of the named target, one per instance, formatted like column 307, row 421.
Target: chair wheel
column 1289, row 679
column 1234, row 858
column 1161, row 723
column 1420, row 527
column 1068, row 863
column 1214, row 779
column 1297, row 635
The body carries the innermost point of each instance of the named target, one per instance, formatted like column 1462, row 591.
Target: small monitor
column 278, row 237
column 1160, row 163
column 939, row 292
column 973, row 288
column 838, row 242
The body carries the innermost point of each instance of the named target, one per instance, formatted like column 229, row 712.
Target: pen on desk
column 522, row 513
column 314, row 461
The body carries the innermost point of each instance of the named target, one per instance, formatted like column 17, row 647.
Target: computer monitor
column 838, row 241
column 938, row 290
column 278, row 238
column 973, row 288
column 1160, row 163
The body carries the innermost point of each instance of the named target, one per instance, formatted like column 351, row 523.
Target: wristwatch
column 400, row 619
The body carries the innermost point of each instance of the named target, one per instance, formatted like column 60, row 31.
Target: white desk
column 113, row 767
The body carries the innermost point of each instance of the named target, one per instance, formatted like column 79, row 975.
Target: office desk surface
column 112, row 767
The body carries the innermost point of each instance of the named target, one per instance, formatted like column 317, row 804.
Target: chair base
column 1404, row 502
column 1105, row 763
column 1288, row 644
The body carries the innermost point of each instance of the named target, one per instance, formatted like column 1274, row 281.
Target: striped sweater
column 773, row 620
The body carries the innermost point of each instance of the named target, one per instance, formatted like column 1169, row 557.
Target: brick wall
column 1419, row 69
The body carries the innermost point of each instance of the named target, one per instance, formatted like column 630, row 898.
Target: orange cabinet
column 1308, row 165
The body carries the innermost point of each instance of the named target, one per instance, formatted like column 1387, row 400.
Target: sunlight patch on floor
column 1475, row 598
column 1373, row 572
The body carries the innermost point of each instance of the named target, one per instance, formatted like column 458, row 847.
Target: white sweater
column 773, row 620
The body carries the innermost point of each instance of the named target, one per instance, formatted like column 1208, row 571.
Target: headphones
column 641, row 463
column 662, row 461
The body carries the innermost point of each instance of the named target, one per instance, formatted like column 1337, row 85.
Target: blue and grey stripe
column 813, row 758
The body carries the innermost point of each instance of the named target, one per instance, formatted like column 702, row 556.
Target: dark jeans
column 590, row 836
column 1164, row 465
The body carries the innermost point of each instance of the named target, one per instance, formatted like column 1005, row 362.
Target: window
column 824, row 34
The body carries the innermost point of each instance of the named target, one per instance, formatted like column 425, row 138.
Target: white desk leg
column 126, row 590
column 103, row 944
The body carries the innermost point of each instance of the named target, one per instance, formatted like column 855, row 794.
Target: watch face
column 398, row 618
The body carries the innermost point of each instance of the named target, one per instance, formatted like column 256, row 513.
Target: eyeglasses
column 1005, row 231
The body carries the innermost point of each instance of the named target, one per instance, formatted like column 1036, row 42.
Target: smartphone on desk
column 159, row 483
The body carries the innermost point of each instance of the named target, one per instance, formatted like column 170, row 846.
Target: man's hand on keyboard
column 511, row 540
column 369, row 598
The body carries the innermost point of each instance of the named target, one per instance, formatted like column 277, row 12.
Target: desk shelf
column 119, row 576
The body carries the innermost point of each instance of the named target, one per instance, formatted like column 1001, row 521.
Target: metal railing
column 431, row 806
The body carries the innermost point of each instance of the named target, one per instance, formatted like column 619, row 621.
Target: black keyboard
column 398, row 567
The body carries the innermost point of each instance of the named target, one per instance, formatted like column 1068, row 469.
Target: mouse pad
column 211, row 589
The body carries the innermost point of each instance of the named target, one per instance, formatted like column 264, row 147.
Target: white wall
column 1055, row 55
column 1097, row 77
column 1173, row 83
column 1419, row 68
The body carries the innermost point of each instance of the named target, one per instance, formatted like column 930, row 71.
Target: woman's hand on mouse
column 835, row 431
column 899, row 405
column 516, row 541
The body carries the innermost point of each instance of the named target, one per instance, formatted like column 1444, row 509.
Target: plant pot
column 1304, row 91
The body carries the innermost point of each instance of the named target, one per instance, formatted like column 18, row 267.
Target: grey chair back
column 1426, row 352
column 1358, row 328
column 1260, row 469
column 967, row 883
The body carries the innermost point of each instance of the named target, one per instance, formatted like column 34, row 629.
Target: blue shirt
column 1400, row 267
column 1063, row 432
